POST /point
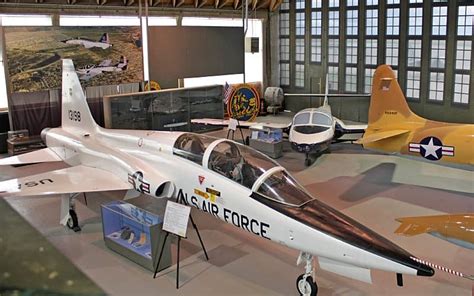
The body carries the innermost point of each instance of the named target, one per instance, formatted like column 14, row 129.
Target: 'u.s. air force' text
column 251, row 225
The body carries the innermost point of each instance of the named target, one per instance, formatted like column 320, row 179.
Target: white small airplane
column 90, row 71
column 87, row 43
column 229, row 181
column 314, row 129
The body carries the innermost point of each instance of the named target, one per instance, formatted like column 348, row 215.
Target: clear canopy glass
column 320, row 118
column 244, row 166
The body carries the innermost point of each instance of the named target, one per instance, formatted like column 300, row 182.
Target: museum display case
column 135, row 234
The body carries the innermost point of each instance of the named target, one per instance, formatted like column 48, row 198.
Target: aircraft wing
column 411, row 227
column 38, row 156
column 69, row 180
column 380, row 136
column 244, row 124
column 350, row 127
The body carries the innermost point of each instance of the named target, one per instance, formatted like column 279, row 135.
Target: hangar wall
column 303, row 63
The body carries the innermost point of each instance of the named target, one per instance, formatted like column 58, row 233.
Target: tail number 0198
column 74, row 115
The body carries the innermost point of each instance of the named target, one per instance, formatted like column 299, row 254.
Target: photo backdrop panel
column 184, row 52
column 102, row 55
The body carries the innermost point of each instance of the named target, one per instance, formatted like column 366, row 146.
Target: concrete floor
column 372, row 188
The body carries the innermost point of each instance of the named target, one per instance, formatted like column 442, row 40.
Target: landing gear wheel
column 73, row 222
column 306, row 287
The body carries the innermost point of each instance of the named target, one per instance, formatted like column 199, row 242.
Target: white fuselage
column 125, row 152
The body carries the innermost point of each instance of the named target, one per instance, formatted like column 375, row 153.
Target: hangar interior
column 397, row 154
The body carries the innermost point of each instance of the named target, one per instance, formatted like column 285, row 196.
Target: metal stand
column 85, row 198
column 241, row 133
column 178, row 250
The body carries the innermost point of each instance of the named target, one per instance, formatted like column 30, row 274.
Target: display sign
column 176, row 218
column 244, row 103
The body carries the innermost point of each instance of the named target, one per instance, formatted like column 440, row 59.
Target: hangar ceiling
column 271, row 5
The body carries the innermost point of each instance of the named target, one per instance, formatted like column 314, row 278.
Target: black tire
column 73, row 222
column 307, row 162
column 309, row 285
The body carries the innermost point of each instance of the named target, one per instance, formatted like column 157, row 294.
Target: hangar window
column 333, row 3
column 333, row 77
column 413, row 85
column 371, row 22
column 463, row 54
column 299, row 75
column 299, row 50
column 316, row 3
column 316, row 49
column 285, row 5
column 284, row 49
column 284, row 24
column 440, row 19
column 436, row 86
column 391, row 52
column 352, row 22
column 333, row 55
column 461, row 88
column 316, row 31
column 462, row 68
column 414, row 53
column 300, row 4
column 351, row 51
column 393, row 21
column 300, row 24
column 284, row 73
column 316, row 23
column 334, row 23
column 369, row 73
column 465, row 20
column 415, row 21
column 438, row 54
column 371, row 52
column 351, row 79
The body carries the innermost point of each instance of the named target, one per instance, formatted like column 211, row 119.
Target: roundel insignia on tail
column 431, row 148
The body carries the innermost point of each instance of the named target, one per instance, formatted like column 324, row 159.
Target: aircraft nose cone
column 323, row 218
column 332, row 222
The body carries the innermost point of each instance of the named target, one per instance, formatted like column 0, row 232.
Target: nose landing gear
column 304, row 283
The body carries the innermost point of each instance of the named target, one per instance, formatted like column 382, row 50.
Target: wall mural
column 101, row 55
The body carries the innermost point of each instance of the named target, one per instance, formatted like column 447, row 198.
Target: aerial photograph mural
column 101, row 55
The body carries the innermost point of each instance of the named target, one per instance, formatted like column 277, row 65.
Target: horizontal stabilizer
column 410, row 227
column 38, row 156
column 347, row 270
column 69, row 180
column 380, row 136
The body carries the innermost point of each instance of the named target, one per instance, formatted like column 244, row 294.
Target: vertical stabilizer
column 387, row 103
column 326, row 91
column 75, row 111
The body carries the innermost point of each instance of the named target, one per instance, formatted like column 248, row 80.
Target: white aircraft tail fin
column 75, row 111
column 104, row 38
column 326, row 91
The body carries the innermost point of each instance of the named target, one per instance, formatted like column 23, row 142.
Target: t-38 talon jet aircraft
column 227, row 180
column 90, row 71
column 393, row 127
column 87, row 43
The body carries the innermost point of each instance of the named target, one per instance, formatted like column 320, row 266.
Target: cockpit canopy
column 312, row 122
column 243, row 165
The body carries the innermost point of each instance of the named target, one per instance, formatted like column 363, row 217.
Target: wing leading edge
column 69, row 180
column 38, row 156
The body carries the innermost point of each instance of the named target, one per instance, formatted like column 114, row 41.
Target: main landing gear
column 68, row 212
column 307, row 160
column 304, row 283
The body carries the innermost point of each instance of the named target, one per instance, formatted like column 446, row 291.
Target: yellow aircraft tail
column 388, row 102
column 389, row 114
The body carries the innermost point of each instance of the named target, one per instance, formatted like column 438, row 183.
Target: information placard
column 176, row 218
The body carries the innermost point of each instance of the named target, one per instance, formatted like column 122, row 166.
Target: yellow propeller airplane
column 455, row 228
column 394, row 128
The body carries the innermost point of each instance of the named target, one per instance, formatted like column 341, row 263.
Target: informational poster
column 101, row 55
column 176, row 218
